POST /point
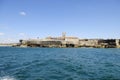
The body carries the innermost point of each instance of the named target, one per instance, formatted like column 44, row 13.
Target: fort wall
column 65, row 41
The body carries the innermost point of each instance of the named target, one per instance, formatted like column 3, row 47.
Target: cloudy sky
column 23, row 19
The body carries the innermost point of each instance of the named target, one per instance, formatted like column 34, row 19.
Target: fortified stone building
column 70, row 41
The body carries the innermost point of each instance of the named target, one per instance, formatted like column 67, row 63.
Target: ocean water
column 59, row 63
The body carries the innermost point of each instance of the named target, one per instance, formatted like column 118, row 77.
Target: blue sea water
column 59, row 63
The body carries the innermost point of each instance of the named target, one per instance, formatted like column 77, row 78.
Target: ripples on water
column 59, row 64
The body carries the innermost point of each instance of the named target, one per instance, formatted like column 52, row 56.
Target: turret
column 64, row 35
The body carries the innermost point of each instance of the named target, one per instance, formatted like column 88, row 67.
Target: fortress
column 69, row 41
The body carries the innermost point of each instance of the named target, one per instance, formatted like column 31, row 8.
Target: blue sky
column 22, row 19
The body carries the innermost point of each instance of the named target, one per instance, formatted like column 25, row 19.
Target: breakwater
column 65, row 41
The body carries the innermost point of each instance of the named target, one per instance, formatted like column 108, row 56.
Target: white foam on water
column 7, row 78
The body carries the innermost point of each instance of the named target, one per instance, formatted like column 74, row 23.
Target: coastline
column 69, row 42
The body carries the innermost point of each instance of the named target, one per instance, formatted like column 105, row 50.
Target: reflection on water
column 59, row 64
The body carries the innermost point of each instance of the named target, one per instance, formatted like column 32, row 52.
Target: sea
column 59, row 63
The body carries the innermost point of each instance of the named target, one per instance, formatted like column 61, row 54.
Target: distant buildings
column 66, row 41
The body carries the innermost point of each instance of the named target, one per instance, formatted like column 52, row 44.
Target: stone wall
column 72, row 41
column 118, row 43
column 96, row 43
column 44, row 43
column 108, row 43
column 88, row 43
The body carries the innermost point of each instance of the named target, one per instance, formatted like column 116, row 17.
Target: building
column 70, row 41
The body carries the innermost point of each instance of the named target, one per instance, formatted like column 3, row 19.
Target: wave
column 7, row 78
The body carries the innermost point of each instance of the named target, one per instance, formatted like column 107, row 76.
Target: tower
column 64, row 35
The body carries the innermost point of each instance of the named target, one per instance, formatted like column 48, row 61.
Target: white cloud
column 23, row 13
column 8, row 40
column 1, row 34
column 22, row 34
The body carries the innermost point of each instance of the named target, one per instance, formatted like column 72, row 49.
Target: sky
column 25, row 19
